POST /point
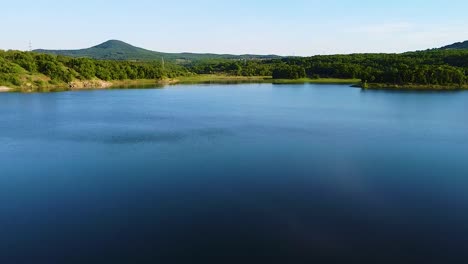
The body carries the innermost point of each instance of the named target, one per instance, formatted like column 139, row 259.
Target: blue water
column 248, row 173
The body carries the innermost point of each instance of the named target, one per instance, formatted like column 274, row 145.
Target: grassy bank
column 41, row 83
column 36, row 82
column 318, row 81
column 141, row 83
column 214, row 78
column 31, row 83
column 218, row 78
column 414, row 87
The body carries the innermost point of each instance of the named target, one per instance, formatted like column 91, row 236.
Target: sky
column 293, row 27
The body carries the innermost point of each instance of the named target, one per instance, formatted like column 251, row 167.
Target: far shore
column 216, row 79
column 220, row 79
column 152, row 83
column 414, row 87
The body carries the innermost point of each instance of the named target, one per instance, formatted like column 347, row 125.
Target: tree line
column 424, row 67
column 432, row 67
column 16, row 64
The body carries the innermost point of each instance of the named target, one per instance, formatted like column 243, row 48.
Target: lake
column 247, row 173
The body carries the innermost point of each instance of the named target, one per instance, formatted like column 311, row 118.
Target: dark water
column 243, row 173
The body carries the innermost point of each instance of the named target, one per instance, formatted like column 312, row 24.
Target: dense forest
column 431, row 68
column 435, row 67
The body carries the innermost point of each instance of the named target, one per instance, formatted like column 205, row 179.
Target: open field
column 214, row 78
column 318, row 81
column 218, row 78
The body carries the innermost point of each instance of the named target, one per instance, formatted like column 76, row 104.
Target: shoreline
column 4, row 89
column 97, row 84
column 413, row 87
column 227, row 79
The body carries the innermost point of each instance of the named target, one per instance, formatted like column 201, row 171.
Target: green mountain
column 456, row 46
column 119, row 50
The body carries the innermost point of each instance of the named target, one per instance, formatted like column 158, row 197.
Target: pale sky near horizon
column 293, row 27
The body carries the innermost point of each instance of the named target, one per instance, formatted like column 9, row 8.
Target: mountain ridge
column 119, row 50
column 456, row 46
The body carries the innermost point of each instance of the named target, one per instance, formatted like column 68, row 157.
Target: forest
column 433, row 67
column 17, row 68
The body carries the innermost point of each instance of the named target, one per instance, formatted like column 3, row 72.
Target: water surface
column 247, row 172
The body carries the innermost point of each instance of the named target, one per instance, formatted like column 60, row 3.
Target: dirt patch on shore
column 92, row 84
column 5, row 89
column 169, row 81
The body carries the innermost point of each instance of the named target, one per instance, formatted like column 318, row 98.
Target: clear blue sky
column 300, row 27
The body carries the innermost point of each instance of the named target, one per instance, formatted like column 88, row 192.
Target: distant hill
column 119, row 50
column 458, row 45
